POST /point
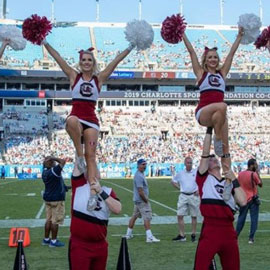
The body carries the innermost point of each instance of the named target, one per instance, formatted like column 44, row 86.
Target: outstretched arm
column 268, row 45
column 3, row 47
column 204, row 163
column 228, row 61
column 69, row 71
column 198, row 70
column 105, row 74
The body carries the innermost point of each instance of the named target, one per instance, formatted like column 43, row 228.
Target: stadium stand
column 166, row 135
column 110, row 39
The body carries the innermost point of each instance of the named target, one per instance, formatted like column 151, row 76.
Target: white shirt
column 186, row 180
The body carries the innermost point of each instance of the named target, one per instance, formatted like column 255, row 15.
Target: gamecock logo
column 213, row 80
column 86, row 89
column 219, row 189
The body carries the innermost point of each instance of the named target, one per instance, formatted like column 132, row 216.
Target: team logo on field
column 219, row 189
column 86, row 89
column 213, row 80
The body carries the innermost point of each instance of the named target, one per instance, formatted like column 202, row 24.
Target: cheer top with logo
column 88, row 226
column 212, row 88
column 84, row 98
column 213, row 206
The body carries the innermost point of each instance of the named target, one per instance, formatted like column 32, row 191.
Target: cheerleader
column 211, row 110
column 82, row 121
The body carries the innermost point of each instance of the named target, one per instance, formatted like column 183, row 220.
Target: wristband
column 104, row 195
column 209, row 130
column 235, row 183
column 44, row 42
column 205, row 156
column 130, row 47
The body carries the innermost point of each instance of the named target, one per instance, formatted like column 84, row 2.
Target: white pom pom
column 139, row 34
column 251, row 24
column 14, row 34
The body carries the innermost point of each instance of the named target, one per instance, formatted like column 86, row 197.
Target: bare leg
column 214, row 115
column 90, row 140
column 226, row 160
column 194, row 224
column 74, row 130
column 181, row 225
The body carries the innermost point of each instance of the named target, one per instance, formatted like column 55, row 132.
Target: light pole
column 221, row 11
column 53, row 18
column 261, row 10
column 97, row 10
column 140, row 10
column 181, row 7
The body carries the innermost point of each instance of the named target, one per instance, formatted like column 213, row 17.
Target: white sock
column 53, row 241
column 46, row 239
column 149, row 234
column 129, row 231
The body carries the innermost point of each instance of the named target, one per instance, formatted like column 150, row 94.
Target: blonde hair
column 95, row 64
column 203, row 59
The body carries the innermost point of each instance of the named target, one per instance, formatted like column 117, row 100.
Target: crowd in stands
column 161, row 55
column 165, row 135
column 27, row 122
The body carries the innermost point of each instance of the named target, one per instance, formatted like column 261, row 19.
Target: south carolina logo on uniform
column 86, row 89
column 219, row 189
column 213, row 80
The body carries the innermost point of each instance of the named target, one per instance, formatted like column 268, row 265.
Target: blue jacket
column 55, row 189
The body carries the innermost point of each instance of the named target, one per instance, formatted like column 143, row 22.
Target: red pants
column 87, row 256
column 218, row 239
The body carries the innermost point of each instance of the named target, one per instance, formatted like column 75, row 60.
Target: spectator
column 189, row 201
column 142, row 207
column 54, row 197
column 3, row 172
column 16, row 171
column 249, row 180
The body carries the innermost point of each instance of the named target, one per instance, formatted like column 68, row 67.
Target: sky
column 153, row 11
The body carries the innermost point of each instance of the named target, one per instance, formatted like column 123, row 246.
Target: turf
column 15, row 204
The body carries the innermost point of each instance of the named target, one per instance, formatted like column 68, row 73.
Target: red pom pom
column 263, row 38
column 173, row 28
column 36, row 28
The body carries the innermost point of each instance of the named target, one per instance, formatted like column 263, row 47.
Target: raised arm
column 114, row 205
column 204, row 163
column 198, row 70
column 69, row 71
column 228, row 61
column 268, row 45
column 3, row 47
column 105, row 74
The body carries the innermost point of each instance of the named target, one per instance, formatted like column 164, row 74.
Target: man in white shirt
column 189, row 201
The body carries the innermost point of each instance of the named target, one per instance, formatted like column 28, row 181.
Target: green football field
column 21, row 203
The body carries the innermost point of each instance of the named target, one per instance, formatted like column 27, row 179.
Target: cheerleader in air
column 211, row 110
column 86, row 85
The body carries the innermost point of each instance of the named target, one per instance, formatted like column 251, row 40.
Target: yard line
column 156, row 202
column 40, row 211
column 264, row 200
column 4, row 183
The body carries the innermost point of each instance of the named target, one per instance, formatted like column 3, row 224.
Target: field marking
column 4, row 183
column 114, row 221
column 156, row 202
column 38, row 215
column 264, row 200
column 30, row 194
